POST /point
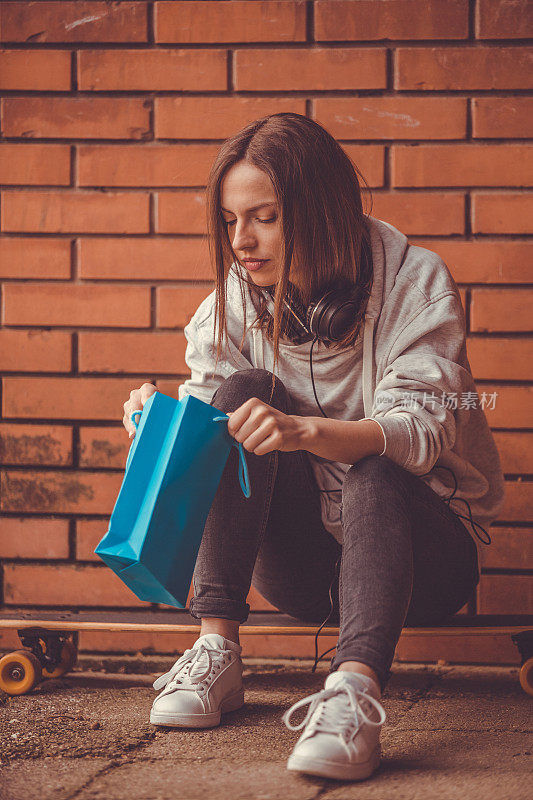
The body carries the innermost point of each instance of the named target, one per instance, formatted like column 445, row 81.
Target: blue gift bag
column 173, row 470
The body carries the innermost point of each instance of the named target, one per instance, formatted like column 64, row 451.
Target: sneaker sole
column 333, row 769
column 209, row 720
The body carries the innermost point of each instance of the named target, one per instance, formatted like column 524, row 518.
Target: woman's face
column 251, row 215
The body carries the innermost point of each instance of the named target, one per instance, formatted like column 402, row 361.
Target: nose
column 243, row 237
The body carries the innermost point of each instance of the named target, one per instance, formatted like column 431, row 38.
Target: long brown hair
column 320, row 204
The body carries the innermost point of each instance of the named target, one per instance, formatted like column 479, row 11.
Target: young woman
column 360, row 420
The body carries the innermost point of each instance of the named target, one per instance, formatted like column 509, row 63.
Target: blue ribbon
column 244, row 478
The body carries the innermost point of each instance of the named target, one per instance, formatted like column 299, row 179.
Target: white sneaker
column 203, row 683
column 342, row 728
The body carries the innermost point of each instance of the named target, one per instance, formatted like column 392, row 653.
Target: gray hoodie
column 408, row 371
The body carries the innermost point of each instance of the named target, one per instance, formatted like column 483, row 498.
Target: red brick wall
column 111, row 116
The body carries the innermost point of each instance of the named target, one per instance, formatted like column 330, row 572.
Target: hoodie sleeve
column 422, row 382
column 200, row 357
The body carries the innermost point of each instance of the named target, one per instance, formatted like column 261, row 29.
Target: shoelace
column 329, row 720
column 182, row 671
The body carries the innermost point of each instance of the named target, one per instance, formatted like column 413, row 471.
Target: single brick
column 59, row 492
column 505, row 594
column 89, row 532
column 152, row 70
column 511, row 548
column 502, row 117
column 34, row 350
column 75, row 212
column 484, row 260
column 104, row 447
column 74, row 22
column 35, row 164
column 34, row 258
column 370, row 161
column 501, row 19
column 146, row 165
column 35, row 70
column 181, row 212
column 430, row 68
column 76, row 117
column 26, row 537
column 75, row 304
column 431, row 213
column 518, row 503
column 312, row 69
column 35, row 444
column 462, row 165
column 132, row 352
column 54, row 585
column 501, row 309
column 146, row 259
column 516, row 451
column 67, row 398
column 177, row 304
column 512, row 408
column 234, row 21
column 215, row 117
column 502, row 212
column 169, row 387
column 394, row 117
column 500, row 358
column 345, row 20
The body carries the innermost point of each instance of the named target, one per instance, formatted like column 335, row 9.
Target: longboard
column 50, row 638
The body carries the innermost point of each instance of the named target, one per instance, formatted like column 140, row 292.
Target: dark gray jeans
column 406, row 558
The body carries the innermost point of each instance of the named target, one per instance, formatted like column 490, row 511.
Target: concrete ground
column 451, row 732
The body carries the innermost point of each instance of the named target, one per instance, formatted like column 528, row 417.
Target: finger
column 147, row 390
column 256, row 439
column 268, row 445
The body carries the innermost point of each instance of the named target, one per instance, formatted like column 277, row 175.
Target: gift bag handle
column 244, row 478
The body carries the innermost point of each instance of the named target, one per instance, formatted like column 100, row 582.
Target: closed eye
column 263, row 221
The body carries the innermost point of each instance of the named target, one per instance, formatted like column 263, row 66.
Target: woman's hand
column 138, row 398
column 262, row 428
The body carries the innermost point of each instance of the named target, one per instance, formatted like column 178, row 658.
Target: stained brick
column 74, row 212
column 500, row 358
column 484, row 260
column 34, row 350
column 422, row 69
column 104, row 447
column 59, row 492
column 35, row 70
column 310, row 69
column 157, row 165
column 145, row 259
column 74, row 304
column 181, row 212
column 177, row 304
column 234, row 21
column 392, row 117
column 500, row 19
column 462, row 165
column 431, row 213
column 76, row 117
column 34, row 258
column 74, row 22
column 54, row 585
column 35, row 164
column 152, row 70
column 66, row 398
column 34, row 538
column 502, row 212
column 132, row 352
column 35, row 444
column 390, row 19
column 499, row 117
column 516, row 451
column 501, row 309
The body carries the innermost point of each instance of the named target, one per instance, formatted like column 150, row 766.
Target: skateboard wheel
column 526, row 676
column 69, row 656
column 19, row 672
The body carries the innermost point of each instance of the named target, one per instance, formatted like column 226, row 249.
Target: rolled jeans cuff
column 218, row 607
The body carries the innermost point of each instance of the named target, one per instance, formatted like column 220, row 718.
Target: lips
column 253, row 264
